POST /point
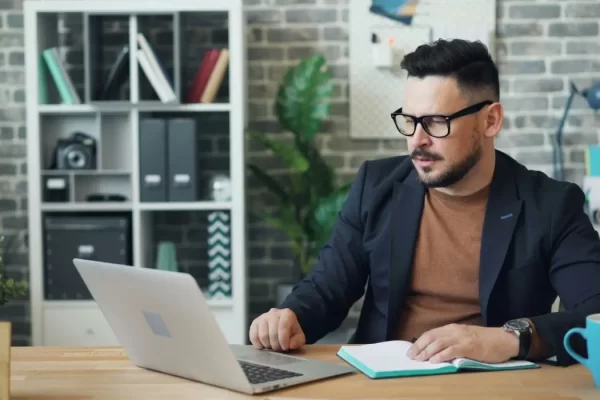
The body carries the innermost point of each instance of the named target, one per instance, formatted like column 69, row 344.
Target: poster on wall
column 402, row 11
column 382, row 32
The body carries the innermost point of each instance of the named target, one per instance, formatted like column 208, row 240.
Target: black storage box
column 100, row 238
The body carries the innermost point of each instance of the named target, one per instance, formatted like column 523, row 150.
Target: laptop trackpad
column 267, row 357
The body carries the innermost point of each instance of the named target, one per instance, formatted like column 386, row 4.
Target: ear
column 494, row 118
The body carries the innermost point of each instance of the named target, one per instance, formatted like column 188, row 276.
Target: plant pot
column 5, row 344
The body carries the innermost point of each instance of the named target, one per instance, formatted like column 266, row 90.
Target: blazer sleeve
column 323, row 298
column 574, row 273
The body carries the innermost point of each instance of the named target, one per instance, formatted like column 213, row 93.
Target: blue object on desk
column 592, row 160
column 591, row 333
column 592, row 96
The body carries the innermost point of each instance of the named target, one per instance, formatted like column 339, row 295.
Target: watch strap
column 524, row 343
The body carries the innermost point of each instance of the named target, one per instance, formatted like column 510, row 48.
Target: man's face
column 441, row 162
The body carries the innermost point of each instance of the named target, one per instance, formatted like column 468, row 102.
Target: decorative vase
column 166, row 257
column 219, row 255
column 5, row 344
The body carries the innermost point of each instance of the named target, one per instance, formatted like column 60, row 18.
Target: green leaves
column 302, row 100
column 308, row 201
column 9, row 287
column 288, row 154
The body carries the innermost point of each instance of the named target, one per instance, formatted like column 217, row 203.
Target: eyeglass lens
column 435, row 126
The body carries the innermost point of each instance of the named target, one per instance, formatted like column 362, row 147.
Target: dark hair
column 469, row 62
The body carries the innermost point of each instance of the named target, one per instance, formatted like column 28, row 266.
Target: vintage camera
column 77, row 152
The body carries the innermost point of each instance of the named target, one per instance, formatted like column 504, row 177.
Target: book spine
column 216, row 77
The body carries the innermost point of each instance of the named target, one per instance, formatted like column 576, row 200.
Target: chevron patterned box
column 219, row 255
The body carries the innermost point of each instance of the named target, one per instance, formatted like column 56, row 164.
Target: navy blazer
column 537, row 244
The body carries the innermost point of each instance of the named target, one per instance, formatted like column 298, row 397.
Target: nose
column 420, row 138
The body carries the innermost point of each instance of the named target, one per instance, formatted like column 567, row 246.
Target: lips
column 424, row 161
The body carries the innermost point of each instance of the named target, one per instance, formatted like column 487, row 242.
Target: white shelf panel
column 85, row 172
column 126, row 107
column 185, row 107
column 120, row 7
column 185, row 206
column 93, row 206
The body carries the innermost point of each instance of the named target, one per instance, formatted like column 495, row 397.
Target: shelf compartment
column 184, row 158
column 61, row 150
column 196, row 242
column 60, row 63
column 200, row 34
column 85, row 186
column 116, row 148
column 107, row 58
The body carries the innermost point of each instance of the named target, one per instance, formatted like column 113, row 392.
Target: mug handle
column 568, row 347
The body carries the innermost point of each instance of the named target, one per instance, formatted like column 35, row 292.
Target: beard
column 454, row 173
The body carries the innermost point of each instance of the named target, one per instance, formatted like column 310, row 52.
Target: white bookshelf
column 115, row 126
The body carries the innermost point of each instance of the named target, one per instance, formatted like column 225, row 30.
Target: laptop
column 163, row 323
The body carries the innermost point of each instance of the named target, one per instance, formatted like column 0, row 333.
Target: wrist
column 511, row 342
column 521, row 329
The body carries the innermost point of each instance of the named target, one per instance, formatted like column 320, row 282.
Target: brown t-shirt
column 445, row 274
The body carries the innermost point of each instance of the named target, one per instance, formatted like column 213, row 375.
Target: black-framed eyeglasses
column 436, row 125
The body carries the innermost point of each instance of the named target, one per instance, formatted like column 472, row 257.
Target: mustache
column 419, row 152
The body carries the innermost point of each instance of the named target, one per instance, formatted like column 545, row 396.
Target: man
column 460, row 248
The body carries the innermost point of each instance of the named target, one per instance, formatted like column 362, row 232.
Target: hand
column 277, row 330
column 491, row 345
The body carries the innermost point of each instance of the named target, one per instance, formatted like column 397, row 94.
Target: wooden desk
column 99, row 373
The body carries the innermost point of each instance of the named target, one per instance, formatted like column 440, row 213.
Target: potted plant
column 308, row 196
column 9, row 289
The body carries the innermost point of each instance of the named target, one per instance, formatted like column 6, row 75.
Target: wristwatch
column 522, row 329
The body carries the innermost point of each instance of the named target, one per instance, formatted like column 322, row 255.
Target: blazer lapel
column 501, row 217
column 407, row 205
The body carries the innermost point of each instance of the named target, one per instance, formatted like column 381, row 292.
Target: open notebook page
column 389, row 356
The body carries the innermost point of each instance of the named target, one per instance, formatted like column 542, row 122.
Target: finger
column 448, row 354
column 263, row 333
column 284, row 332
column 254, row 339
column 273, row 335
column 421, row 343
column 433, row 348
column 427, row 338
column 297, row 340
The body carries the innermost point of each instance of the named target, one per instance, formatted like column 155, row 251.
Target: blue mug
column 591, row 333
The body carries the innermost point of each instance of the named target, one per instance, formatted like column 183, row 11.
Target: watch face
column 518, row 325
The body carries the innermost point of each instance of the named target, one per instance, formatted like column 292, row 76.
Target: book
column 152, row 67
column 203, row 73
column 388, row 360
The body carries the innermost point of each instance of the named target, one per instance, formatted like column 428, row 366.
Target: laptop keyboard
column 257, row 373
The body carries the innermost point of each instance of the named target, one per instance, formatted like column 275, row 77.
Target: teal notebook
column 389, row 360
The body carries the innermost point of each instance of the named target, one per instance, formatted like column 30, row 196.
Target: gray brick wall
column 13, row 168
column 541, row 45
